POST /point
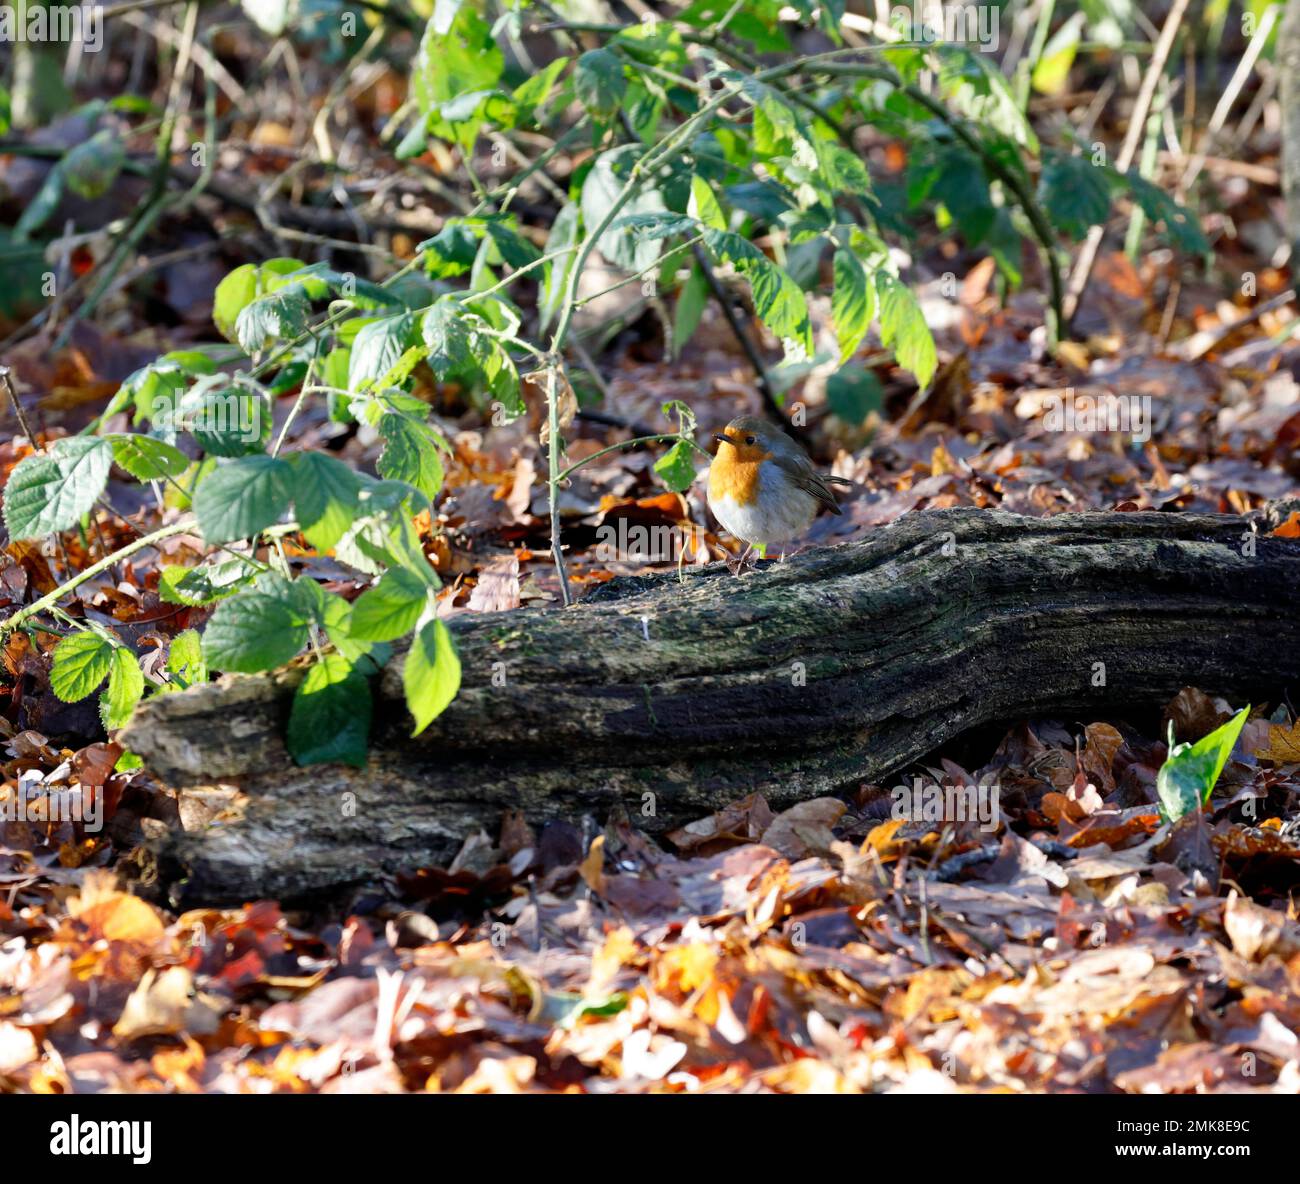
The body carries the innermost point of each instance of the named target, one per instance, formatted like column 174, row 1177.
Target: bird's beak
column 723, row 438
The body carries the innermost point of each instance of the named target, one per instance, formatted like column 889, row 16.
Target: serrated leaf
column 450, row 252
column 330, row 717
column 601, row 189
column 230, row 422
column 410, row 454
column 279, row 315
column 778, row 300
column 390, row 609
column 241, row 287
column 209, row 582
column 125, row 686
column 147, row 458
column 242, row 497
column 378, row 347
column 185, row 661
column 431, row 675
column 599, row 83
column 326, row 497
column 1180, row 225
column 450, row 339
column 843, row 170
column 1075, row 193
column 853, row 303
column 903, row 328
column 1190, row 772
column 50, row 493
column 252, row 632
column 81, row 662
column 456, row 57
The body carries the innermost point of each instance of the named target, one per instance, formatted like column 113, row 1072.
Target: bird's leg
column 736, row 563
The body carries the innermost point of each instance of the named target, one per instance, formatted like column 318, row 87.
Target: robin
column 762, row 485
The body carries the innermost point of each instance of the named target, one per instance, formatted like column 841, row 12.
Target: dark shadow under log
column 841, row 665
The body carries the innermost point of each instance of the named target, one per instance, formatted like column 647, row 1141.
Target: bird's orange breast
column 732, row 477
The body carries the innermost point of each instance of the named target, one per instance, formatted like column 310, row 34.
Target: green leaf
column 242, row 497
column 410, row 454
column 209, row 582
column 449, row 337
column 903, row 328
column 450, row 252
column 676, row 468
column 280, row 315
column 534, row 91
column 843, row 170
column 601, row 189
column 1190, row 772
column 1075, row 194
column 147, row 458
column 326, row 497
column 92, row 166
column 125, row 686
column 703, row 206
column 185, row 660
column 691, row 301
column 252, row 632
column 378, row 347
column 49, row 493
column 1180, row 225
column 599, row 83
column 457, row 56
column 330, row 717
column 853, row 303
column 431, row 675
column 1052, row 70
column 81, row 662
column 241, row 287
column 40, row 208
column 229, row 422
column 778, row 300
column 391, row 608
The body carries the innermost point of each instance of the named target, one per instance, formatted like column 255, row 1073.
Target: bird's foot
column 736, row 564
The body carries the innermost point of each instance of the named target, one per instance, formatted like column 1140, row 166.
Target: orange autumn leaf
column 1283, row 744
column 882, row 839
column 1290, row 529
column 115, row 916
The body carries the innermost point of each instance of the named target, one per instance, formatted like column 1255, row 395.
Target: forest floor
column 1085, row 945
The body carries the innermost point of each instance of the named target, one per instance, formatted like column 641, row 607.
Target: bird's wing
column 800, row 470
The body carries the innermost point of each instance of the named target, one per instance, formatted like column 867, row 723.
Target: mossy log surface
column 840, row 665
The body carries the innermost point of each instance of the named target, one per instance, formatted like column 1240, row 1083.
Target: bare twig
column 7, row 382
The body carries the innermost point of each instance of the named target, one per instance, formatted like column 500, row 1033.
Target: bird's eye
column 749, row 439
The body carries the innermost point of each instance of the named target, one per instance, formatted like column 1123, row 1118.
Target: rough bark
column 841, row 665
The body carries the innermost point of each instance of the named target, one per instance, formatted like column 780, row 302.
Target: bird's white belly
column 777, row 515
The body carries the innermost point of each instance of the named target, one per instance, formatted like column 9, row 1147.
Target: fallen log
column 672, row 696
